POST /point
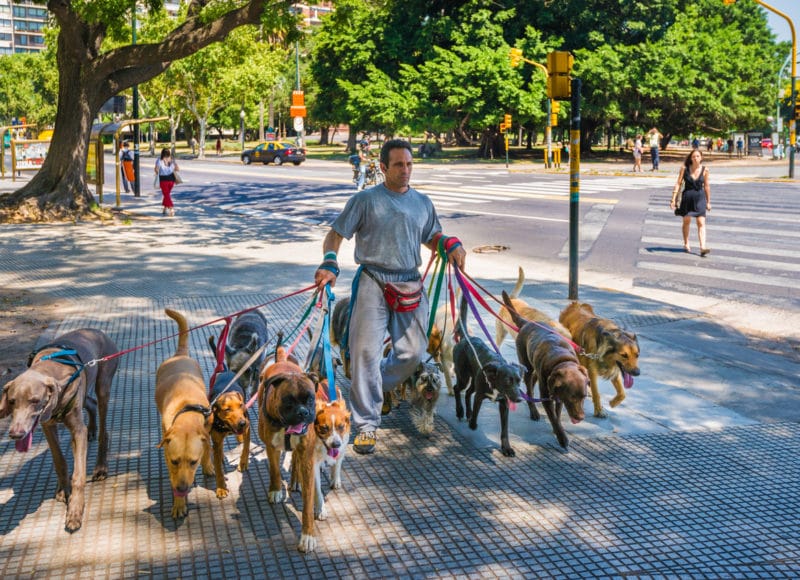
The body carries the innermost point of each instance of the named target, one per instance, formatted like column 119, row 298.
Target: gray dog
column 247, row 334
column 55, row 389
column 487, row 375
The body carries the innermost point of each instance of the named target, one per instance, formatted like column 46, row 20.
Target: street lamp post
column 241, row 127
column 793, row 114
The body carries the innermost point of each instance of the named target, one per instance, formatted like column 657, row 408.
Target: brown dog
column 230, row 418
column 551, row 361
column 55, row 389
column 332, row 426
column 525, row 311
column 608, row 351
column 185, row 418
column 286, row 409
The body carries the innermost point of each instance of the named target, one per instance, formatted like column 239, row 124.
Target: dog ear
column 4, row 410
column 164, row 441
column 490, row 369
column 253, row 345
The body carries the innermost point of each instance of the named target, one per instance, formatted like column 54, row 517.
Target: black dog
column 247, row 334
column 485, row 373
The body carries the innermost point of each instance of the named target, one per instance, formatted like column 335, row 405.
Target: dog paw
column 308, row 543
column 243, row 465
column 600, row 413
column 61, row 495
column 563, row 441
column 100, row 473
column 336, row 484
column 73, row 523
column 222, row 493
column 276, row 496
column 508, row 452
column 322, row 515
column 179, row 510
column 617, row 400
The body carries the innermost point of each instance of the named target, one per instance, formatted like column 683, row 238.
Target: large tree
column 90, row 74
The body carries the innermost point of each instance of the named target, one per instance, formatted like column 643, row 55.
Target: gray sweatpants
column 371, row 373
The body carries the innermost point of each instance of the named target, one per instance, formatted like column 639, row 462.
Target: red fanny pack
column 403, row 296
column 400, row 296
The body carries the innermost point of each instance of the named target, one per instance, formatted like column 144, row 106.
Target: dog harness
column 65, row 356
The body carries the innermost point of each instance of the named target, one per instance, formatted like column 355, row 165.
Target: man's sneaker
column 364, row 443
column 386, row 408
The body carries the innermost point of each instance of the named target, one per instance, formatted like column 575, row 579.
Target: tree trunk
column 58, row 191
column 324, row 134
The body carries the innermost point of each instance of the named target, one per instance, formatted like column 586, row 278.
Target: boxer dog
column 286, row 410
column 230, row 418
column 55, row 389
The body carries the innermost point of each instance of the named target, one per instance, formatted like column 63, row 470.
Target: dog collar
column 204, row 411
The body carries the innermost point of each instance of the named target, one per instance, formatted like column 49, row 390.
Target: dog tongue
column 627, row 380
column 512, row 405
column 177, row 493
column 333, row 452
column 24, row 444
column 295, row 429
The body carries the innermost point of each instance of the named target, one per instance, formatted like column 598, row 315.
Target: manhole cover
column 490, row 249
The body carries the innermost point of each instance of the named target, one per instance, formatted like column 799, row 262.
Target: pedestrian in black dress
column 695, row 200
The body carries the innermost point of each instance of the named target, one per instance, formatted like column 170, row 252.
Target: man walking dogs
column 391, row 222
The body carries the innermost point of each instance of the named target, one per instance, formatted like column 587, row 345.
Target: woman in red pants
column 165, row 170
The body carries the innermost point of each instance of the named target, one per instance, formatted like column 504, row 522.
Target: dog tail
column 515, row 316
column 461, row 330
column 183, row 329
column 520, row 283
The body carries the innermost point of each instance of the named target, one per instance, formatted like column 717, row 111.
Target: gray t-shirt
column 389, row 227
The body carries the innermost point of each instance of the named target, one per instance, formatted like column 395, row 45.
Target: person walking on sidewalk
column 165, row 170
column 126, row 166
column 637, row 154
column 654, row 140
column 390, row 221
column 695, row 200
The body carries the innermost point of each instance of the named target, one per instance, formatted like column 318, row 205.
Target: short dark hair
column 165, row 152
column 394, row 144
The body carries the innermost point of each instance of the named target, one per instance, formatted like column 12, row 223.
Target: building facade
column 21, row 27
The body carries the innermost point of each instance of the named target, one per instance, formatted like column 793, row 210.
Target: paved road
column 626, row 228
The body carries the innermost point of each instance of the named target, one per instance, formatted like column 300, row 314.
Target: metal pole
column 792, row 125
column 548, row 134
column 297, row 79
column 574, row 185
column 137, row 191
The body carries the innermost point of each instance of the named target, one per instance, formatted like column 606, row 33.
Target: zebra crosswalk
column 753, row 241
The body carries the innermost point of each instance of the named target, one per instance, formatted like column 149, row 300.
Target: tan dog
column 185, row 418
column 55, row 389
column 286, row 409
column 441, row 342
column 230, row 418
column 332, row 425
column 608, row 351
column 525, row 311
column 550, row 360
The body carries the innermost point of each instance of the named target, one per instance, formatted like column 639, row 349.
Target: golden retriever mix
column 185, row 418
column 525, row 311
column 608, row 351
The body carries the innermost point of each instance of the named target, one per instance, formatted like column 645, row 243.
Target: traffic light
column 797, row 110
column 559, row 66
column 507, row 120
column 503, row 127
column 555, row 109
column 298, row 108
column 515, row 54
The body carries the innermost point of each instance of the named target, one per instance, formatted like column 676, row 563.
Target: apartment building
column 21, row 27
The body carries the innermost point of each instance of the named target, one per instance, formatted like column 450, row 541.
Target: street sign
column 298, row 124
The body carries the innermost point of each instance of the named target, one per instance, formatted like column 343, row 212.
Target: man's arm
column 329, row 269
